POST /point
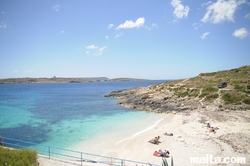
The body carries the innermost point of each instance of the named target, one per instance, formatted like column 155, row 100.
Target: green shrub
column 246, row 101
column 161, row 88
column 203, row 94
column 183, row 94
column 175, row 89
column 194, row 92
column 239, row 87
column 232, row 98
column 210, row 89
column 18, row 157
column 212, row 96
column 182, row 87
column 165, row 162
column 247, row 91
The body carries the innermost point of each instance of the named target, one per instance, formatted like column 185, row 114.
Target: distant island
column 63, row 80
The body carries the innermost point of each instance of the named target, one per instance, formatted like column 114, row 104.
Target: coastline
column 190, row 138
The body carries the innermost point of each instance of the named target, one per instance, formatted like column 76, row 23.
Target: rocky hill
column 198, row 93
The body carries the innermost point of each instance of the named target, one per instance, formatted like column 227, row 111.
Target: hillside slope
column 196, row 93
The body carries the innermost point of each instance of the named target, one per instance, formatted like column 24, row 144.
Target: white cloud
column 241, row 33
column 204, row 35
column 130, row 24
column 196, row 25
column 56, row 7
column 91, row 47
column 207, row 3
column 110, row 26
column 222, row 10
column 118, row 35
column 180, row 11
column 247, row 15
column 62, row 32
column 3, row 25
column 29, row 71
column 154, row 25
column 100, row 51
column 107, row 37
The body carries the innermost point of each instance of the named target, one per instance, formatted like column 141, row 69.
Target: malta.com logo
column 210, row 159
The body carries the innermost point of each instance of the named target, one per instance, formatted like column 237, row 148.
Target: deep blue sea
column 64, row 114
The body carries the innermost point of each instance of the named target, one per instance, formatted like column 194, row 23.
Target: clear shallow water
column 64, row 114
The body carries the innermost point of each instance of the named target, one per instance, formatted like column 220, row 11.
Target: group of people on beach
column 155, row 140
column 211, row 129
column 161, row 153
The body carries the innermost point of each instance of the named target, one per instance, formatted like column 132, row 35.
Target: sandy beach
column 191, row 138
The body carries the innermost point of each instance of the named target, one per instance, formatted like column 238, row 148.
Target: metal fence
column 72, row 156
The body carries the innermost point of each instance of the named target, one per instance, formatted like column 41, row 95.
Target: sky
column 164, row 39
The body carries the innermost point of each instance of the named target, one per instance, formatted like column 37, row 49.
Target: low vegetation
column 9, row 157
column 205, row 86
column 165, row 162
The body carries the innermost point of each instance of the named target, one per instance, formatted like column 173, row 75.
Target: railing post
column 121, row 162
column 81, row 158
column 49, row 152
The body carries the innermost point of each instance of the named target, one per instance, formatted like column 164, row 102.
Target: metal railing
column 76, row 157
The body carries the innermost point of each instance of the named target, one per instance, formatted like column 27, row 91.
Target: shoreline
column 190, row 139
column 140, row 132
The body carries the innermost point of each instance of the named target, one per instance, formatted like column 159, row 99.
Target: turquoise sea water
column 64, row 114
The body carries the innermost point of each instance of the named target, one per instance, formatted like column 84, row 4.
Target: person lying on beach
column 160, row 153
column 156, row 154
column 186, row 114
column 213, row 129
column 170, row 134
column 155, row 140
column 207, row 126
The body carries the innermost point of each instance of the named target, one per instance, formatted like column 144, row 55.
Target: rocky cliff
column 198, row 93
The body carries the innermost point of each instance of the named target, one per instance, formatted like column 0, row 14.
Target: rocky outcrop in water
column 149, row 100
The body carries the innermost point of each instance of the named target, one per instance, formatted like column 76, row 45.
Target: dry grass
column 205, row 85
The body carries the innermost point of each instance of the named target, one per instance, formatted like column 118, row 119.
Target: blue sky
column 136, row 38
